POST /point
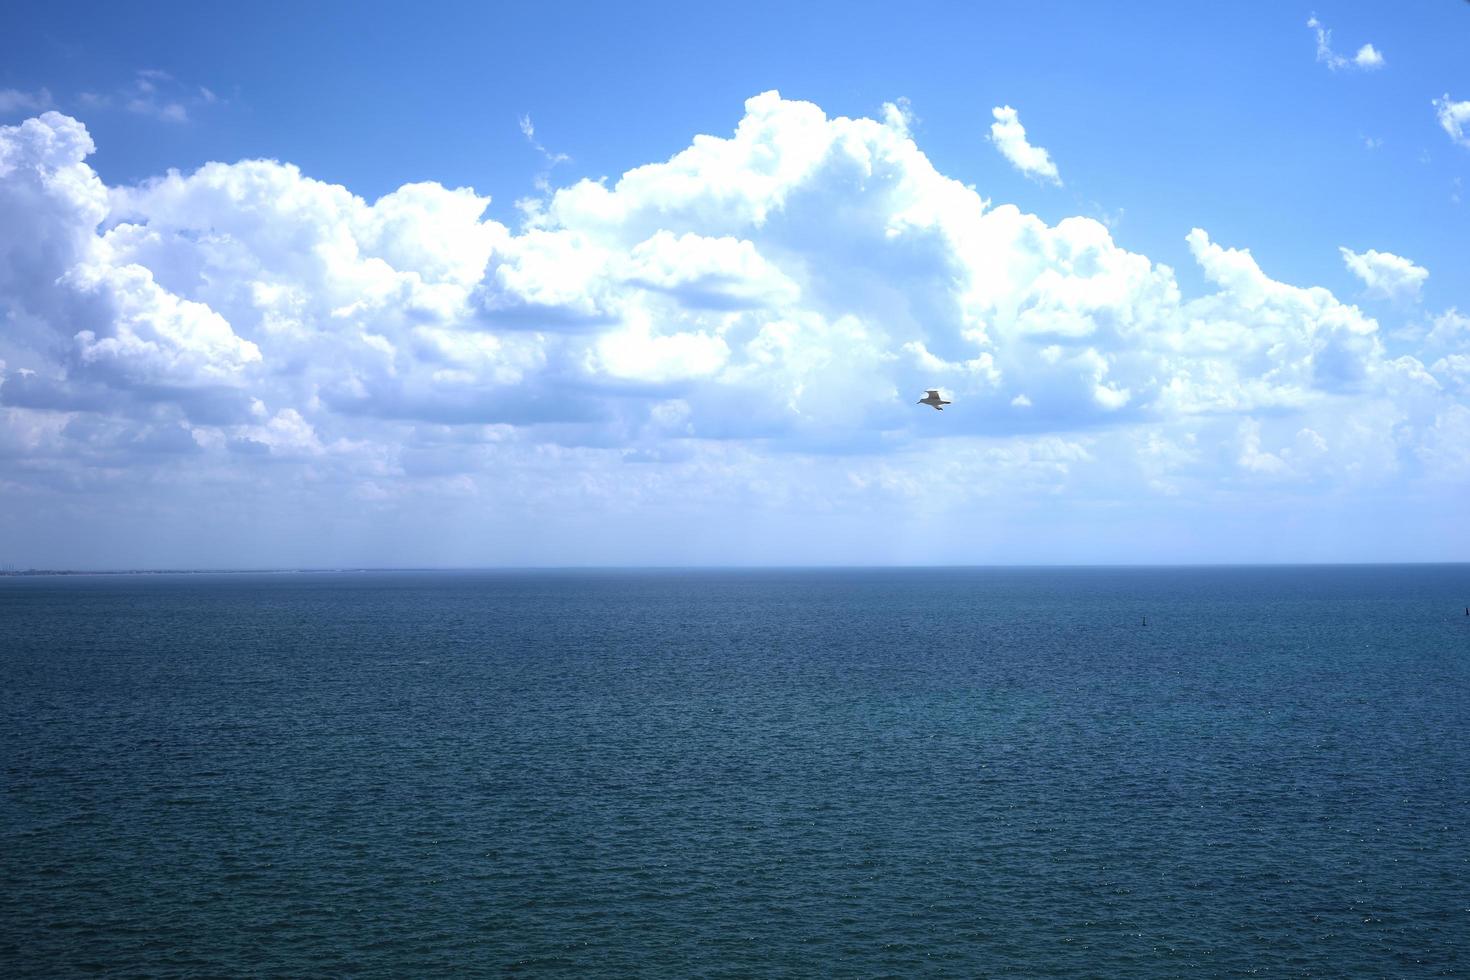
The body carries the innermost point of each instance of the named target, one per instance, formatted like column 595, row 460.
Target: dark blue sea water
column 776, row 773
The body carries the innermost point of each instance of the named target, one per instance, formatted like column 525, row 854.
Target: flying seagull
column 933, row 401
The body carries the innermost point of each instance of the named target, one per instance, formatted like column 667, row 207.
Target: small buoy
column 1145, row 619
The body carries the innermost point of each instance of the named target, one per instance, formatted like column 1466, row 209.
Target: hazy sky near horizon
column 366, row 284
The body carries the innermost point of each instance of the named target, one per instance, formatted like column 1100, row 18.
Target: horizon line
column 328, row 569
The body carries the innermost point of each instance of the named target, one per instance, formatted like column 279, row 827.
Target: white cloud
column 1252, row 457
column 118, row 325
column 152, row 95
column 719, row 273
column 1009, row 136
column 1454, row 371
column 774, row 267
column 1454, row 117
column 1368, row 57
column 1448, row 331
column 15, row 100
column 543, row 179
column 637, row 353
column 1443, row 447
column 155, row 94
column 899, row 115
column 1386, row 275
column 749, row 320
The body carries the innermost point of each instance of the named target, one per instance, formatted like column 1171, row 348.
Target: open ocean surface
column 947, row 772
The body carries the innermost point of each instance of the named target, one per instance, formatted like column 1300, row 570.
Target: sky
column 326, row 285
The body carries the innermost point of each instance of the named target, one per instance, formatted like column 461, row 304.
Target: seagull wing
column 933, row 393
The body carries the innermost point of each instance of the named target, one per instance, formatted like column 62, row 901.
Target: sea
column 959, row 772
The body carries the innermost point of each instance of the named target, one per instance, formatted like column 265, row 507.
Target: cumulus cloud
column 1367, row 58
column 1454, row 118
column 750, row 321
column 1009, row 137
column 1386, row 276
column 110, row 320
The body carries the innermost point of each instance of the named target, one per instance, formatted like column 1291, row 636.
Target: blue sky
column 1225, row 319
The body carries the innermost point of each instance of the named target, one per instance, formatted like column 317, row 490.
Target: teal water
column 774, row 773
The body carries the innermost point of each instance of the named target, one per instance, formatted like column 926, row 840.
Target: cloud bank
column 740, row 329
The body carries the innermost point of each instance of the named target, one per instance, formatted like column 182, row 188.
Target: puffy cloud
column 1454, row 117
column 1009, row 136
column 802, row 255
column 1288, row 345
column 151, row 336
column 637, row 353
column 1386, row 275
column 718, row 273
column 1368, row 57
column 108, row 318
column 750, row 321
